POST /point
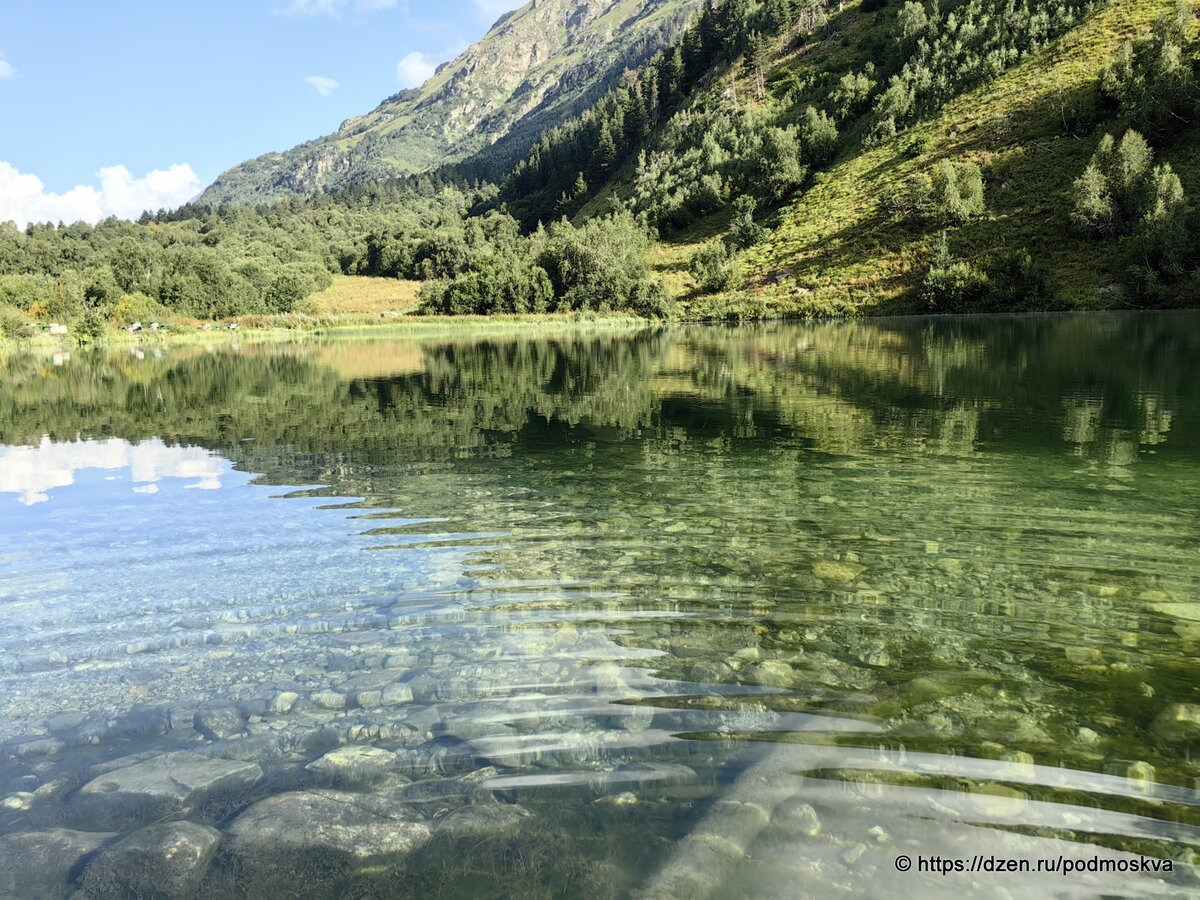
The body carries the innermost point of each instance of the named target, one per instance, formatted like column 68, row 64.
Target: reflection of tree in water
column 839, row 388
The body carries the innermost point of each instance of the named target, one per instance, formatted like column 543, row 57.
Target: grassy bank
column 353, row 306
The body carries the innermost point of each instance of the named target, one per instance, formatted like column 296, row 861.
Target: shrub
column 1017, row 281
column 138, row 307
column 714, row 267
column 852, row 93
column 90, row 326
column 1163, row 231
column 1116, row 188
column 14, row 325
column 779, row 165
column 957, row 191
column 957, row 287
column 952, row 285
column 23, row 292
column 743, row 230
column 651, row 300
column 818, row 136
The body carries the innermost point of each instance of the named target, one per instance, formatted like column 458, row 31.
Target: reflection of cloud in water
column 32, row 472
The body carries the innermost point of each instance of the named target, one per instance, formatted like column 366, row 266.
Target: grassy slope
column 350, row 296
column 353, row 305
column 835, row 250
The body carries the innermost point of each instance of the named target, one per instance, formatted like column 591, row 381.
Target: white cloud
column 7, row 70
column 24, row 198
column 334, row 8
column 322, row 85
column 415, row 69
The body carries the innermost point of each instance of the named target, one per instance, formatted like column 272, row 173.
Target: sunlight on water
column 710, row 612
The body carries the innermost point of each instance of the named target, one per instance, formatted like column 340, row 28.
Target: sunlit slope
column 836, row 244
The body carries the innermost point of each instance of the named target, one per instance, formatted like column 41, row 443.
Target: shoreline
column 433, row 326
column 296, row 333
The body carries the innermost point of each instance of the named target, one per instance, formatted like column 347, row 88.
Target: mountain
column 536, row 67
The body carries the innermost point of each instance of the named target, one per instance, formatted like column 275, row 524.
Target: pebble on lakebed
column 836, row 571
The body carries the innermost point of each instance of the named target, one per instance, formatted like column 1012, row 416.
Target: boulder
column 331, row 700
column 318, row 837
column 478, row 820
column 161, row 861
column 166, row 785
column 1179, row 722
column 836, row 571
column 219, row 722
column 43, row 864
column 354, row 765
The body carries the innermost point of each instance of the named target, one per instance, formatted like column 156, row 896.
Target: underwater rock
column 1087, row 737
column 437, row 757
column 999, row 800
column 1179, row 721
column 161, row 861
column 1140, row 773
column 283, row 702
column 837, row 572
column 772, row 673
column 18, row 802
column 329, row 700
column 354, row 764
column 173, row 783
column 396, row 694
column 484, row 818
column 318, row 838
column 36, row 747
column 42, row 864
column 368, row 699
column 796, row 818
column 219, row 722
column 1021, row 763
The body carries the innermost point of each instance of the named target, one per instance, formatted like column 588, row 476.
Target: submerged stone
column 18, row 802
column 331, row 700
column 283, row 702
column 396, row 694
column 1179, row 721
column 43, row 864
column 354, row 764
column 161, row 861
column 219, row 722
column 308, row 837
column 796, row 818
column 837, row 572
column 772, row 673
column 484, row 818
column 1141, row 774
column 170, row 784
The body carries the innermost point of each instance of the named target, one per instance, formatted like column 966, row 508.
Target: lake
column 707, row 612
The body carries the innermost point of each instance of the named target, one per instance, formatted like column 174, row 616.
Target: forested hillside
column 896, row 156
column 782, row 157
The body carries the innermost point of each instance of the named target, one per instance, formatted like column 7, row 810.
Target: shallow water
column 706, row 612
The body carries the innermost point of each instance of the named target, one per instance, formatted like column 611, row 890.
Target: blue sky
column 179, row 91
